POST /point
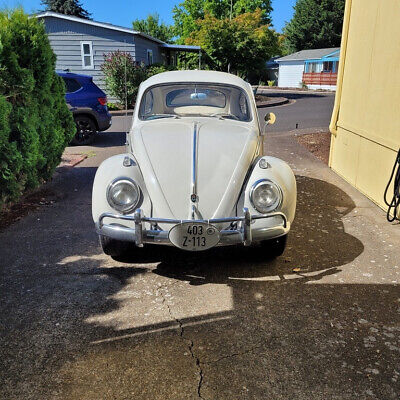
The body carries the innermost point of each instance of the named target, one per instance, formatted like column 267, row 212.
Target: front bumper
column 240, row 230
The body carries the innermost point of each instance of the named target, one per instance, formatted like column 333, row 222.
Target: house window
column 87, row 55
column 328, row 66
column 313, row 67
column 149, row 57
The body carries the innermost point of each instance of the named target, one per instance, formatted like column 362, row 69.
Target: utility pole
column 230, row 17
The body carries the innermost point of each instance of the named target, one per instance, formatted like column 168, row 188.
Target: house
column 365, row 123
column 80, row 44
column 315, row 68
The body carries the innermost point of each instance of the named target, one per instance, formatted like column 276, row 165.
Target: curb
column 272, row 103
column 277, row 89
column 121, row 113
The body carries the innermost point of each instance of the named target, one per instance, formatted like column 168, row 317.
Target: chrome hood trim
column 205, row 157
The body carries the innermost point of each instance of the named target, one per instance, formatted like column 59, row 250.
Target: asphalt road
column 306, row 111
column 321, row 322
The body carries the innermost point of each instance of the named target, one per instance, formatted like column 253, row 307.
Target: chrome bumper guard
column 140, row 235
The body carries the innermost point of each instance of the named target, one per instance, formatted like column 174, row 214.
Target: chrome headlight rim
column 128, row 181
column 272, row 208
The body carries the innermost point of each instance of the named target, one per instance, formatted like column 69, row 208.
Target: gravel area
column 318, row 144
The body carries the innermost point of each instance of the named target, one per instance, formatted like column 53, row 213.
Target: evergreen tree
column 68, row 7
column 153, row 27
column 315, row 24
column 35, row 123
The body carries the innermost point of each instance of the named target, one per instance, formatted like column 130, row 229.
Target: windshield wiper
column 225, row 116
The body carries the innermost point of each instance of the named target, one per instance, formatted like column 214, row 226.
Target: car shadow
column 317, row 243
column 109, row 139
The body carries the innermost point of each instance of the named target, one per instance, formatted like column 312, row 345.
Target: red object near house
column 320, row 78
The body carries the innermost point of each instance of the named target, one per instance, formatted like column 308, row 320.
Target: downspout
column 343, row 49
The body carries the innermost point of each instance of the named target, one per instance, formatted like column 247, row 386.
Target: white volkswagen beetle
column 194, row 175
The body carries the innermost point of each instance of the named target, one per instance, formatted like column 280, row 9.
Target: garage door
column 290, row 74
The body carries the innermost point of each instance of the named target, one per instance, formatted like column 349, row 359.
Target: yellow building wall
column 366, row 121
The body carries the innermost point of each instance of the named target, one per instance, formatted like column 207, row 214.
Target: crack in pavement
column 181, row 334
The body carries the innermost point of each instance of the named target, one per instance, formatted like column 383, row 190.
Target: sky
column 123, row 12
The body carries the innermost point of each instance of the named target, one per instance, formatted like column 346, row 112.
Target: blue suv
column 88, row 103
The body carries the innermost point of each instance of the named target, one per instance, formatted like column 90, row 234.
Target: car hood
column 166, row 154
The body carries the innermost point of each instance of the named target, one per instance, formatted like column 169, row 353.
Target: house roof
column 313, row 54
column 110, row 26
column 180, row 47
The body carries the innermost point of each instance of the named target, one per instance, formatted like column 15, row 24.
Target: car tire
column 115, row 248
column 274, row 247
column 86, row 130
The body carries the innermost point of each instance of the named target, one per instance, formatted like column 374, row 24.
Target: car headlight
column 123, row 194
column 265, row 196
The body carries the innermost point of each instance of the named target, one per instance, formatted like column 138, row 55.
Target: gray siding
column 66, row 37
column 142, row 45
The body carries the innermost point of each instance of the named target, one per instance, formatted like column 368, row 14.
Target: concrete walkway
column 321, row 322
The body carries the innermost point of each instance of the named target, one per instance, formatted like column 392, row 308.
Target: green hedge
column 123, row 74
column 35, row 123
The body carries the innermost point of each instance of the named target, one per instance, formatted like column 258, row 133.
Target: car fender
column 119, row 166
column 280, row 173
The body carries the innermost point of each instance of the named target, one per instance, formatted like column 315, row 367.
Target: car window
column 72, row 85
column 190, row 100
column 188, row 97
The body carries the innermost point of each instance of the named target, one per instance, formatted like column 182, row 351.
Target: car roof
column 73, row 75
column 194, row 76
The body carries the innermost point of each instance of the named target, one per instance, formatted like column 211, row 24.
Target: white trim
column 150, row 53
column 83, row 55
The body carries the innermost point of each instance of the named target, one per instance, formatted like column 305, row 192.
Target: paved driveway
column 75, row 324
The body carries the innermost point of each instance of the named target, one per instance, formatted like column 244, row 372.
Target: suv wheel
column 85, row 131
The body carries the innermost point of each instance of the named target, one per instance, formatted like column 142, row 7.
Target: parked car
column 194, row 175
column 88, row 103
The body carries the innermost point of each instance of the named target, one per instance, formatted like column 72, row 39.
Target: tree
column 153, row 27
column 68, row 7
column 123, row 75
column 35, row 123
column 187, row 13
column 240, row 45
column 315, row 24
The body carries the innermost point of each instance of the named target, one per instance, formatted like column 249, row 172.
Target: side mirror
column 270, row 118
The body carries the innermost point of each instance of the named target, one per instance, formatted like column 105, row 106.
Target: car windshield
column 195, row 100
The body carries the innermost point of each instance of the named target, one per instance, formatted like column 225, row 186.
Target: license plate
column 194, row 236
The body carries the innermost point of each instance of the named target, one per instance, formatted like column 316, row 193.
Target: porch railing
column 320, row 78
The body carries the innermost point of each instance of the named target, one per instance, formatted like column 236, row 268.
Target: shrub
column 120, row 70
column 271, row 83
column 35, row 123
column 303, row 85
column 119, row 66
column 115, row 106
column 158, row 69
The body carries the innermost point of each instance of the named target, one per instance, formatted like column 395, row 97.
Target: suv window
column 72, row 85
